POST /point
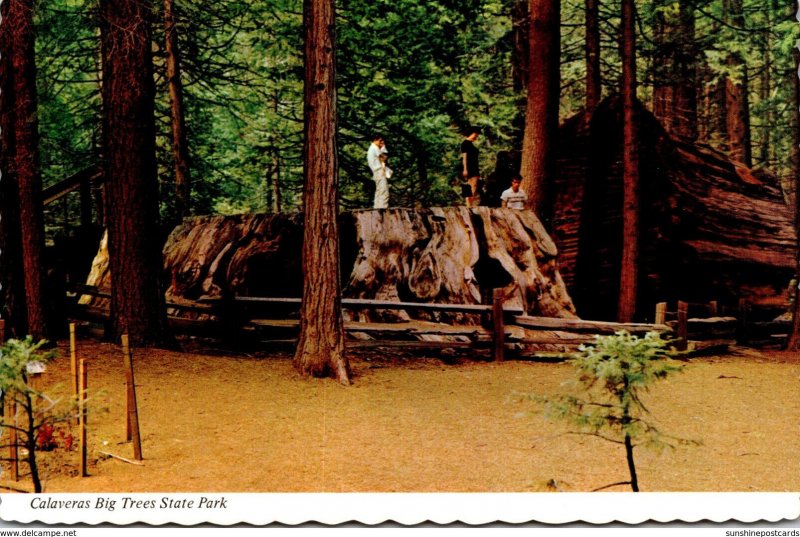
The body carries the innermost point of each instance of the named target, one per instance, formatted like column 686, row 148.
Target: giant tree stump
column 439, row 255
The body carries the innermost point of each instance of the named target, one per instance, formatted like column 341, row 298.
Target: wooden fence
column 495, row 326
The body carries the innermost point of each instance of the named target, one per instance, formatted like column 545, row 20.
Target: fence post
column 742, row 320
column 82, row 414
column 73, row 362
column 713, row 308
column 683, row 326
column 13, row 452
column 661, row 313
column 2, row 331
column 498, row 324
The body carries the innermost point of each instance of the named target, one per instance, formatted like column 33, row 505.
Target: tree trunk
column 12, row 290
column 26, row 162
column 134, row 246
column 736, row 95
column 539, row 146
column 276, row 166
column 594, row 87
column 686, row 73
column 675, row 90
column 628, row 278
column 520, row 24
column 793, row 344
column 765, row 87
column 320, row 349
column 180, row 148
column 520, row 57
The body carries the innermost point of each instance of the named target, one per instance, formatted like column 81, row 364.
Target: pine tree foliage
column 612, row 375
column 416, row 72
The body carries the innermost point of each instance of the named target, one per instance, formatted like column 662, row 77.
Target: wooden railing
column 226, row 317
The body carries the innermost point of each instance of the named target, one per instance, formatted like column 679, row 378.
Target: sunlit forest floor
column 214, row 421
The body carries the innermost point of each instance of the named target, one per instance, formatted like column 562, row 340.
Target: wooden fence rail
column 226, row 317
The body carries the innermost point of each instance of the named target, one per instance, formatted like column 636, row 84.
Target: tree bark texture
column 736, row 95
column 629, row 267
column 180, row 147
column 520, row 25
column 130, row 172
column 539, row 146
column 12, row 292
column 26, row 162
column 713, row 229
column 439, row 255
column 675, row 89
column 793, row 343
column 594, row 81
column 320, row 350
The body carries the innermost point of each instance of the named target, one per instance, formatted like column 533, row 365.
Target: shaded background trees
column 415, row 72
column 228, row 97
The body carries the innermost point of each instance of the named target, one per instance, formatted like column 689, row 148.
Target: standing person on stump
column 377, row 165
column 514, row 197
column 469, row 168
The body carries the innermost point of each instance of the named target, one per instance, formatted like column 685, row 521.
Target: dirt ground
column 215, row 421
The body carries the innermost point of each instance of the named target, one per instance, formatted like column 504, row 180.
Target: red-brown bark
column 736, row 95
column 26, row 161
column 628, row 280
column 793, row 343
column 180, row 148
column 539, row 159
column 320, row 349
column 130, row 170
column 675, row 90
column 520, row 22
column 12, row 292
column 594, row 86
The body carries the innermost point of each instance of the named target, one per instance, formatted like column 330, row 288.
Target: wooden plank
column 711, row 344
column 580, row 325
column 357, row 303
column 83, row 289
column 683, row 327
column 65, row 186
column 499, row 331
column 661, row 313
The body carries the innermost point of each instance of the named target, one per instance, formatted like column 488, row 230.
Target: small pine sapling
column 611, row 375
column 36, row 412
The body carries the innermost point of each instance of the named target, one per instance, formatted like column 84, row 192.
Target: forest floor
column 221, row 421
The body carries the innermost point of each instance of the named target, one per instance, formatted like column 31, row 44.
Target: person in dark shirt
column 469, row 167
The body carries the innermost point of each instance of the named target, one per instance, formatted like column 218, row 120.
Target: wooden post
column 499, row 327
column 683, row 326
column 713, row 308
column 743, row 320
column 133, row 413
column 2, row 330
column 13, row 453
column 661, row 313
column 73, row 362
column 82, row 415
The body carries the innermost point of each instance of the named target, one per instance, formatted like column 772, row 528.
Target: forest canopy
column 414, row 72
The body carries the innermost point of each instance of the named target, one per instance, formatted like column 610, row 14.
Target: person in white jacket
column 379, row 172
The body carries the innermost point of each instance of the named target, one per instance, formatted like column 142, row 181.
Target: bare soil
column 214, row 421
